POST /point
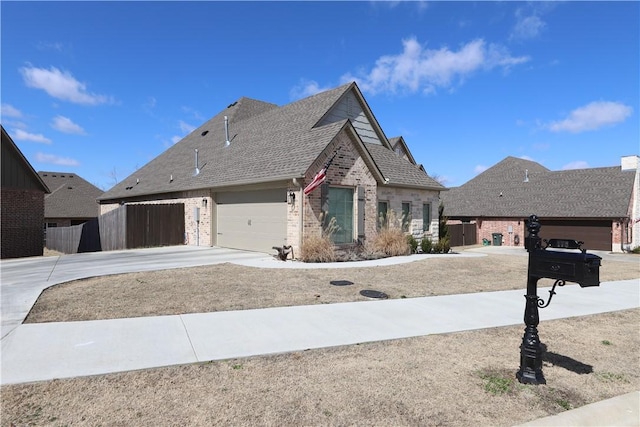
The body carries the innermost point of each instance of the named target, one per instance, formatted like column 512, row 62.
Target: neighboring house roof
column 71, row 196
column 519, row 188
column 17, row 172
column 267, row 143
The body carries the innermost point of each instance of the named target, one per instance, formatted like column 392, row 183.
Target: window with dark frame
column 406, row 216
column 426, row 217
column 383, row 214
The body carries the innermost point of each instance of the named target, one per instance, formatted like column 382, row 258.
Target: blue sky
column 101, row 88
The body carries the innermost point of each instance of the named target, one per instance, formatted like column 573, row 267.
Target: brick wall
column 487, row 226
column 395, row 196
column 347, row 170
column 22, row 223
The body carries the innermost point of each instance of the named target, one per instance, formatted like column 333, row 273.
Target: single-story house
column 22, row 199
column 72, row 200
column 241, row 175
column 599, row 206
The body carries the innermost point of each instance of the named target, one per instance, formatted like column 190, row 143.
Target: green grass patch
column 496, row 382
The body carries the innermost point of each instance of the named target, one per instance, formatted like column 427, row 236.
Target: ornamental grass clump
column 317, row 249
column 391, row 240
column 320, row 248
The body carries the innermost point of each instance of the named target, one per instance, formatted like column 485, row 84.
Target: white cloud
column 186, row 127
column 175, row 139
column 64, row 124
column 21, row 135
column 526, row 158
column 480, row 168
column 61, row 85
column 592, row 116
column 55, row 160
column 529, row 20
column 57, row 46
column 527, row 27
column 578, row 164
column 420, row 69
column 151, row 103
column 306, row 88
column 10, row 111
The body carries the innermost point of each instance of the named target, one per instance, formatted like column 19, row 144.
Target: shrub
column 636, row 250
column 317, row 249
column 391, row 242
column 446, row 245
column 413, row 243
column 426, row 245
column 442, row 247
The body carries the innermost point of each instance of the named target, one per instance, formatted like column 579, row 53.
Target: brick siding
column 22, row 223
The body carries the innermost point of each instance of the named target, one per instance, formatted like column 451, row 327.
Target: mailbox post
column 563, row 266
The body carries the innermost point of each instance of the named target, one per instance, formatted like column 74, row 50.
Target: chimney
column 629, row 163
column 226, row 131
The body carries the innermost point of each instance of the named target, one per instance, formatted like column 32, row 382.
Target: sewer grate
column 341, row 283
column 373, row 294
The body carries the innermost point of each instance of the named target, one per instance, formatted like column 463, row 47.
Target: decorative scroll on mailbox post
column 563, row 266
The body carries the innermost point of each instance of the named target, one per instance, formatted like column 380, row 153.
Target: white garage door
column 252, row 220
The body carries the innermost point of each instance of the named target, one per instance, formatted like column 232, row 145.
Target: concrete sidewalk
column 38, row 352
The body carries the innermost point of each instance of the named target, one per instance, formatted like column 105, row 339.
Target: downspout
column 301, row 220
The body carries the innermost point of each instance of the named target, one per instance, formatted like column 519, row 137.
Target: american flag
column 320, row 177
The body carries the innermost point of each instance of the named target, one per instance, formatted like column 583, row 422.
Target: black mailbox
column 580, row 267
column 564, row 264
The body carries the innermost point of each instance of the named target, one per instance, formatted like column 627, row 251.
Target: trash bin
column 497, row 239
column 486, row 242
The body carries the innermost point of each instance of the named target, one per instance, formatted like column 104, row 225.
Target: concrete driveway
column 22, row 280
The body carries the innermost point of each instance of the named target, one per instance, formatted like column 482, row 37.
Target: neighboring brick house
column 72, row 200
column 241, row 175
column 22, row 199
column 598, row 206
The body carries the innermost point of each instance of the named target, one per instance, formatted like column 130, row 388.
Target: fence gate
column 462, row 234
column 155, row 225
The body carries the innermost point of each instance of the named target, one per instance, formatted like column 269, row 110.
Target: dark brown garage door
column 596, row 235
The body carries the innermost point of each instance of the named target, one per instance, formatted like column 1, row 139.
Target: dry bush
column 317, row 249
column 320, row 248
column 391, row 242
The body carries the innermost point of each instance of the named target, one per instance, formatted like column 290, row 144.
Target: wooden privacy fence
column 75, row 239
column 462, row 234
column 127, row 227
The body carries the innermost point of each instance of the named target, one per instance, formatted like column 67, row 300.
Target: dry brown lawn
column 232, row 287
column 458, row 379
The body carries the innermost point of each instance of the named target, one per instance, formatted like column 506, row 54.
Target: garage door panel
column 252, row 220
column 596, row 235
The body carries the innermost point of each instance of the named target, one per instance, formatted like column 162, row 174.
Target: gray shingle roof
column 400, row 171
column 581, row 193
column 71, row 196
column 268, row 143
